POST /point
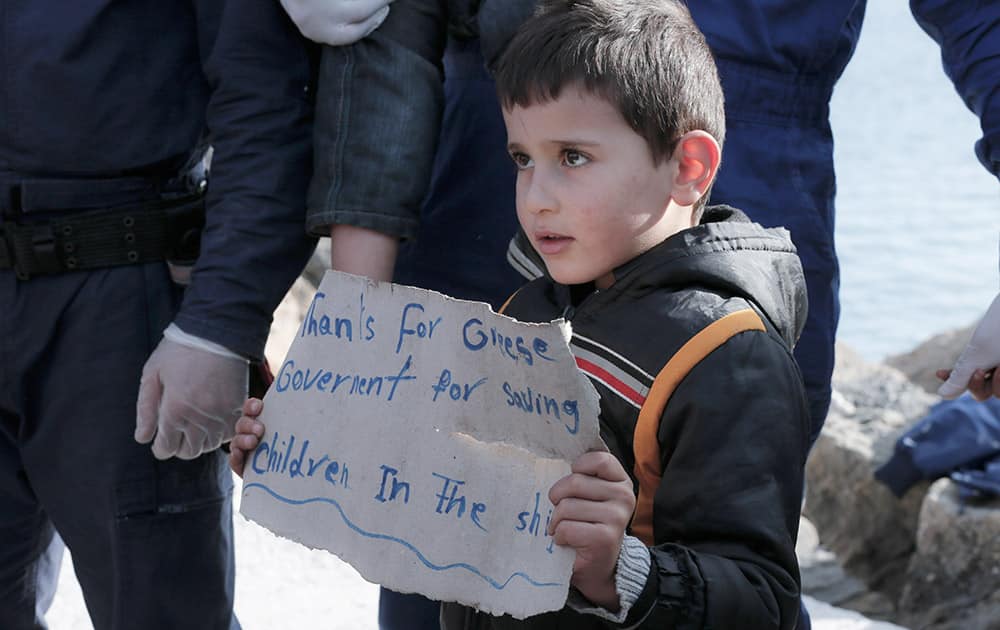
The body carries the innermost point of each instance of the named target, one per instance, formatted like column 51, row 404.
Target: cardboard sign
column 416, row 437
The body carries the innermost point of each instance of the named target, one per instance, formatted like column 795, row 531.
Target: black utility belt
column 168, row 229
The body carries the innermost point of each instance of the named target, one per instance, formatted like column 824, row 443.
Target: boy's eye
column 574, row 158
column 521, row 161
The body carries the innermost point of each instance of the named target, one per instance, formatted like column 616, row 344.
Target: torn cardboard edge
column 413, row 434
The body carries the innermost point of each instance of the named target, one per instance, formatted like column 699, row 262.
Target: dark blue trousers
column 152, row 541
column 792, row 185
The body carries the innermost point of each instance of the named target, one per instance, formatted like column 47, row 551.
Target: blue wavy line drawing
column 430, row 565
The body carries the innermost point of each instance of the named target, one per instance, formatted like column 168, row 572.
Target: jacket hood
column 726, row 253
column 729, row 253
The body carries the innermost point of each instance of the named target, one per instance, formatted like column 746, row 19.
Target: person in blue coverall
column 110, row 427
column 779, row 61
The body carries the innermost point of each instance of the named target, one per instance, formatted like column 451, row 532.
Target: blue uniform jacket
column 102, row 89
column 812, row 41
column 779, row 61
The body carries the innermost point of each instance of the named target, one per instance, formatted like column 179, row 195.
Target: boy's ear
column 697, row 155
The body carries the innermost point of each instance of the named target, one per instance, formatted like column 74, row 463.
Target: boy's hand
column 593, row 506
column 249, row 431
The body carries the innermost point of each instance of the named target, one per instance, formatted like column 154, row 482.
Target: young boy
column 614, row 116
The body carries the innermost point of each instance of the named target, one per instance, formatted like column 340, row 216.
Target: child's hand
column 593, row 506
column 249, row 430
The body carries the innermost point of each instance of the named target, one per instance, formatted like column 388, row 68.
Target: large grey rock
column 821, row 573
column 953, row 579
column 292, row 310
column 318, row 263
column 870, row 531
column 287, row 319
column 825, row 579
column 877, row 393
column 940, row 351
column 925, row 561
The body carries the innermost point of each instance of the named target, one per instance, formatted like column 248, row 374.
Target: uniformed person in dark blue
column 106, row 109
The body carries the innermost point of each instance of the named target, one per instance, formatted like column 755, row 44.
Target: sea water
column 918, row 217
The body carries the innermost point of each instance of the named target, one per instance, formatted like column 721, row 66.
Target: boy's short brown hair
column 647, row 58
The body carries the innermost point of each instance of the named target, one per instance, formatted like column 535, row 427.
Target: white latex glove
column 336, row 22
column 982, row 353
column 190, row 396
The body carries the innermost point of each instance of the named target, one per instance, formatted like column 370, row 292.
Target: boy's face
column 589, row 196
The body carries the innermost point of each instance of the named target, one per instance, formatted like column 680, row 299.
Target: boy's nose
column 539, row 195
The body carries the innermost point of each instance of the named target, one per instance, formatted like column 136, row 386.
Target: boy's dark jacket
column 733, row 436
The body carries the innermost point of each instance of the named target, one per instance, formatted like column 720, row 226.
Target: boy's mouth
column 549, row 243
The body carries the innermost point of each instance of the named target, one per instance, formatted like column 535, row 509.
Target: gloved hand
column 336, row 22
column 982, row 355
column 190, row 396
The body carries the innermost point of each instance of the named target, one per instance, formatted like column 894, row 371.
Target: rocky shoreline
column 927, row 560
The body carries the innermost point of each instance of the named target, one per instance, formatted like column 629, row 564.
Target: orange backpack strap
column 507, row 303
column 645, row 443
